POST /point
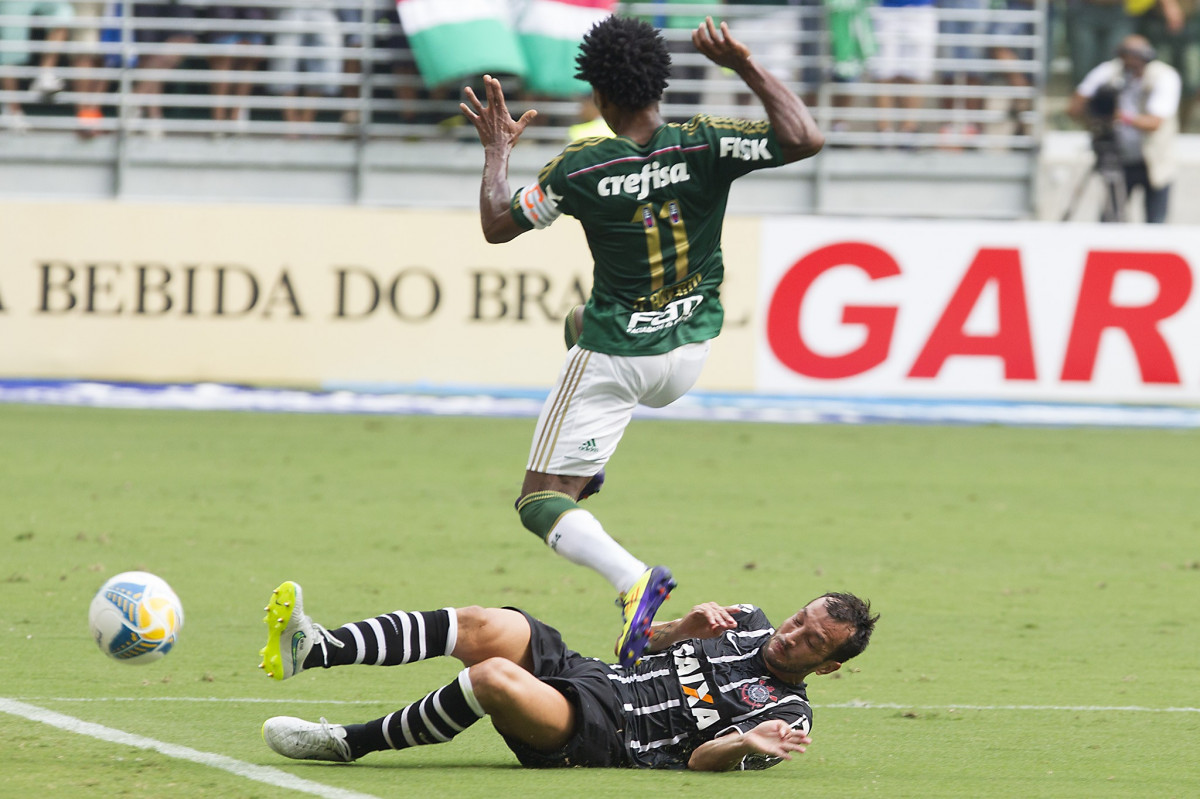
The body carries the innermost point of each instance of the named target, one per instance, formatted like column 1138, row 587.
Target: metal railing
column 376, row 92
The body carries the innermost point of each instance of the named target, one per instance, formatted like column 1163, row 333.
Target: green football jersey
column 653, row 215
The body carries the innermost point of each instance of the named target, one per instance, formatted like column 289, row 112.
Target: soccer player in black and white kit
column 718, row 689
column 651, row 200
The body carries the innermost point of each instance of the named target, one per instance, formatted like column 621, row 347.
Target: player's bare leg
column 523, row 706
column 577, row 535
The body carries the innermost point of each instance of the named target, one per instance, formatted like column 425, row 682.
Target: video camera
column 1101, row 110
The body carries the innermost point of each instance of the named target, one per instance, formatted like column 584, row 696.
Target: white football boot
column 307, row 740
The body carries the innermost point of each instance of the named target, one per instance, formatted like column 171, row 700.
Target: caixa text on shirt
column 695, row 687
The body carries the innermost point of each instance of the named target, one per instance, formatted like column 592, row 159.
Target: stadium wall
column 385, row 298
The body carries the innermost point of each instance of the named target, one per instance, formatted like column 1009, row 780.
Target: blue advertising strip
column 484, row 401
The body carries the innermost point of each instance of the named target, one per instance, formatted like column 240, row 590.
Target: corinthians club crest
column 758, row 694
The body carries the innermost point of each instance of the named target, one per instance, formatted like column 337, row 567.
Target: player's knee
column 470, row 617
column 541, row 510
column 494, row 679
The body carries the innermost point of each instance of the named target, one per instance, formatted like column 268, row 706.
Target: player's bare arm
column 703, row 621
column 795, row 129
column 773, row 738
column 498, row 133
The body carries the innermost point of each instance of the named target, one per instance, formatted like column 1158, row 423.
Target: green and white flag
column 454, row 39
column 550, row 32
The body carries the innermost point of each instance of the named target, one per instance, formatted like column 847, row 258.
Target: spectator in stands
column 1143, row 122
column 158, row 61
column 88, row 115
column 1001, row 32
column 405, row 87
column 952, row 132
column 591, row 123
column 1173, row 29
column 352, row 38
column 320, row 30
column 1095, row 29
column 851, row 45
column 1012, row 53
column 46, row 84
column 772, row 36
column 906, row 37
column 1007, row 51
column 223, row 87
column 680, row 46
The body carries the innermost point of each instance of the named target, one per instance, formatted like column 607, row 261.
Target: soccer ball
column 135, row 617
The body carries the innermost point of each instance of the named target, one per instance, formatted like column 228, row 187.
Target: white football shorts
column 591, row 404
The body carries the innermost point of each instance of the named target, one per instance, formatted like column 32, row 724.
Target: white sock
column 579, row 537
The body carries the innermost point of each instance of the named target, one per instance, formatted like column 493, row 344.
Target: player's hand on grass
column 493, row 122
column 776, row 739
column 718, row 46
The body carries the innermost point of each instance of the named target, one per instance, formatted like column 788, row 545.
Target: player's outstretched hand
column 493, row 122
column 707, row 621
column 718, row 46
column 776, row 739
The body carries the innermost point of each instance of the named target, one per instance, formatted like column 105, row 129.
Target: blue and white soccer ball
column 135, row 617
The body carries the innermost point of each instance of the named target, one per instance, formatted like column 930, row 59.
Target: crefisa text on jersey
column 652, row 176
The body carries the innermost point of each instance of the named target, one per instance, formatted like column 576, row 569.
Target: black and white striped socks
column 435, row 719
column 390, row 640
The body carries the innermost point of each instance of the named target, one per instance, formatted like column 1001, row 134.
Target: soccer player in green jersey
column 652, row 204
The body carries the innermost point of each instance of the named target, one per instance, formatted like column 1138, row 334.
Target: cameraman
column 1144, row 122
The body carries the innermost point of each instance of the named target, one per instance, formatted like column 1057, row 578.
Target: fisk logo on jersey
column 695, row 687
column 671, row 315
column 745, row 149
column 652, row 176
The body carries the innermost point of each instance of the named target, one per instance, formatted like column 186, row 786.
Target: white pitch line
column 838, row 706
column 216, row 699
column 1085, row 708
column 264, row 774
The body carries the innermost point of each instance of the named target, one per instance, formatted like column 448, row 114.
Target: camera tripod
column 1109, row 169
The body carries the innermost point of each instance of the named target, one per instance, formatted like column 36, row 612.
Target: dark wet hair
column 849, row 609
column 626, row 60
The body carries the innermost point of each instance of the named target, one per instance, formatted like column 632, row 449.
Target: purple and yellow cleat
column 638, row 606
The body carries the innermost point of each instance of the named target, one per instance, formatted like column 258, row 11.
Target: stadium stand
column 335, row 101
column 393, row 103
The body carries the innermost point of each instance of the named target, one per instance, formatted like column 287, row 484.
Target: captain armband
column 538, row 208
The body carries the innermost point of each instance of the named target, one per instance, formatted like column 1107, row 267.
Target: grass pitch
column 1040, row 592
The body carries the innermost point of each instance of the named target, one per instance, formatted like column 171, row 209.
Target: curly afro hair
column 626, row 60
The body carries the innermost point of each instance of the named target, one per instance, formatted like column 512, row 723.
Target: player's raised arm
column 795, row 129
column 703, row 621
column 498, row 133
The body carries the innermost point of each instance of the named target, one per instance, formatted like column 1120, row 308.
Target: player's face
column 805, row 642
